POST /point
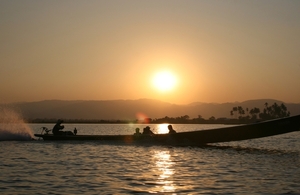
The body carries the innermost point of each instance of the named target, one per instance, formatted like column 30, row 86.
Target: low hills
column 130, row 109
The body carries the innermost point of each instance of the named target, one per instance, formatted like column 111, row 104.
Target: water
column 261, row 166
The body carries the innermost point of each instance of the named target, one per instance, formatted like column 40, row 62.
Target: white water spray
column 12, row 126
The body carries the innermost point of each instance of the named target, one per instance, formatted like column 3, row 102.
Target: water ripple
column 269, row 166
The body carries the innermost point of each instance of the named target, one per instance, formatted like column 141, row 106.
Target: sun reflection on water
column 165, row 170
column 162, row 128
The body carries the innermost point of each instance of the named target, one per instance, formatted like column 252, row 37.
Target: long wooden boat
column 198, row 137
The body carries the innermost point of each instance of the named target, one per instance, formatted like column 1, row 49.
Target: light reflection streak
column 162, row 128
column 165, row 171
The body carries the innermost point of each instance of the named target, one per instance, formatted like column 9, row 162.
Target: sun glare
column 164, row 81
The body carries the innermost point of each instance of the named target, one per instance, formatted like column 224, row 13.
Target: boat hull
column 199, row 137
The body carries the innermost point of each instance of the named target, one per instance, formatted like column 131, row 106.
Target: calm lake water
column 261, row 166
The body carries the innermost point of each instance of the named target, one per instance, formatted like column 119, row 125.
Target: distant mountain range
column 129, row 109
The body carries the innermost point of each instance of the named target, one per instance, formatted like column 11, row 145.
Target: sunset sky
column 198, row 51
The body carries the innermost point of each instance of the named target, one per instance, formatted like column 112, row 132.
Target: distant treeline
column 269, row 112
column 238, row 114
column 178, row 120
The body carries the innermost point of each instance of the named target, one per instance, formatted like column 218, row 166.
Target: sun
column 164, row 81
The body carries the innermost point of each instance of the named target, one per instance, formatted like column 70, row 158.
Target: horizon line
column 267, row 99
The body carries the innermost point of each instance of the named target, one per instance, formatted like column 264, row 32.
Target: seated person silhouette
column 171, row 130
column 137, row 132
column 57, row 127
column 75, row 131
column 147, row 131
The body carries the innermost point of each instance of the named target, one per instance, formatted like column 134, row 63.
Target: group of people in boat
column 57, row 130
column 147, row 131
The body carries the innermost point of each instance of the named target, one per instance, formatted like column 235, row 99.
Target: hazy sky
column 217, row 51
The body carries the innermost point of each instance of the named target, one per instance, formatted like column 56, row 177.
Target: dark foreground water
column 262, row 166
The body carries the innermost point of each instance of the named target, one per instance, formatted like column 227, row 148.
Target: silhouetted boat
column 198, row 137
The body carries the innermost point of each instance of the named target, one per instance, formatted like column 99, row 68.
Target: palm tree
column 231, row 113
column 254, row 112
column 241, row 111
column 235, row 109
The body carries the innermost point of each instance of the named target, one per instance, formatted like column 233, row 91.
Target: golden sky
column 215, row 51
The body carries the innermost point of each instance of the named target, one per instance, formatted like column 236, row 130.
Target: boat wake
column 13, row 127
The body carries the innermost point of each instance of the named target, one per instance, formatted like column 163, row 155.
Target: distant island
column 148, row 111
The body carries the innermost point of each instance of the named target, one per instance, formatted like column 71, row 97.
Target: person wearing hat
column 147, row 131
column 57, row 127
